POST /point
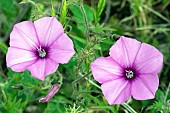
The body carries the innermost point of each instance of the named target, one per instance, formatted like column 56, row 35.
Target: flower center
column 41, row 52
column 129, row 74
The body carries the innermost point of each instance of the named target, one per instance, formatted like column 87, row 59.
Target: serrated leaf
column 63, row 12
column 156, row 106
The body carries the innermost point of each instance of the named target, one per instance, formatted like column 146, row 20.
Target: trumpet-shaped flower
column 39, row 47
column 130, row 71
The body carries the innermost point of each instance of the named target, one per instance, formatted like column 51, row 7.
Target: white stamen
column 129, row 74
column 42, row 52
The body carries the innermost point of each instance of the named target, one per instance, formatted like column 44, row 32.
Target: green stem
column 166, row 94
column 156, row 13
column 127, row 107
column 85, row 19
column 79, row 79
column 60, row 78
column 91, row 82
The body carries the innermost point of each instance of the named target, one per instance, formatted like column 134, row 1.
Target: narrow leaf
column 52, row 10
column 78, row 39
column 101, row 6
column 4, row 96
column 3, row 47
column 63, row 12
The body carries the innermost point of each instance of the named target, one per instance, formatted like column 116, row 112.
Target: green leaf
column 128, row 108
column 156, row 106
column 7, row 6
column 78, row 39
column 57, row 104
column 63, row 12
column 79, row 17
column 52, row 11
column 4, row 96
column 28, row 80
column 100, row 7
column 111, row 108
column 156, row 13
column 3, row 47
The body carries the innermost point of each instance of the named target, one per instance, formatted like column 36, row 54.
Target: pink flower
column 130, row 70
column 39, row 47
column 54, row 89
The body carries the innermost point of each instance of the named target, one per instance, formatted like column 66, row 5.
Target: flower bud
column 54, row 89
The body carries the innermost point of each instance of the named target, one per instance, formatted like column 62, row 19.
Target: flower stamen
column 42, row 53
column 129, row 74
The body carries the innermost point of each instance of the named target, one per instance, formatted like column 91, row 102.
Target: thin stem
column 107, row 12
column 167, row 92
column 60, row 78
column 91, row 82
column 85, row 19
column 79, row 79
column 156, row 13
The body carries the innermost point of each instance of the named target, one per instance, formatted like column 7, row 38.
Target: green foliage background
column 94, row 26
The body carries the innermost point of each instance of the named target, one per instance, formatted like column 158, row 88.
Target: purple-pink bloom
column 130, row 71
column 39, row 47
column 54, row 89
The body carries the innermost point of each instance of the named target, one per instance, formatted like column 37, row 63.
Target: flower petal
column 105, row 69
column 62, row 49
column 48, row 30
column 148, row 60
column 144, row 86
column 24, row 36
column 116, row 91
column 124, row 51
column 42, row 68
column 18, row 59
